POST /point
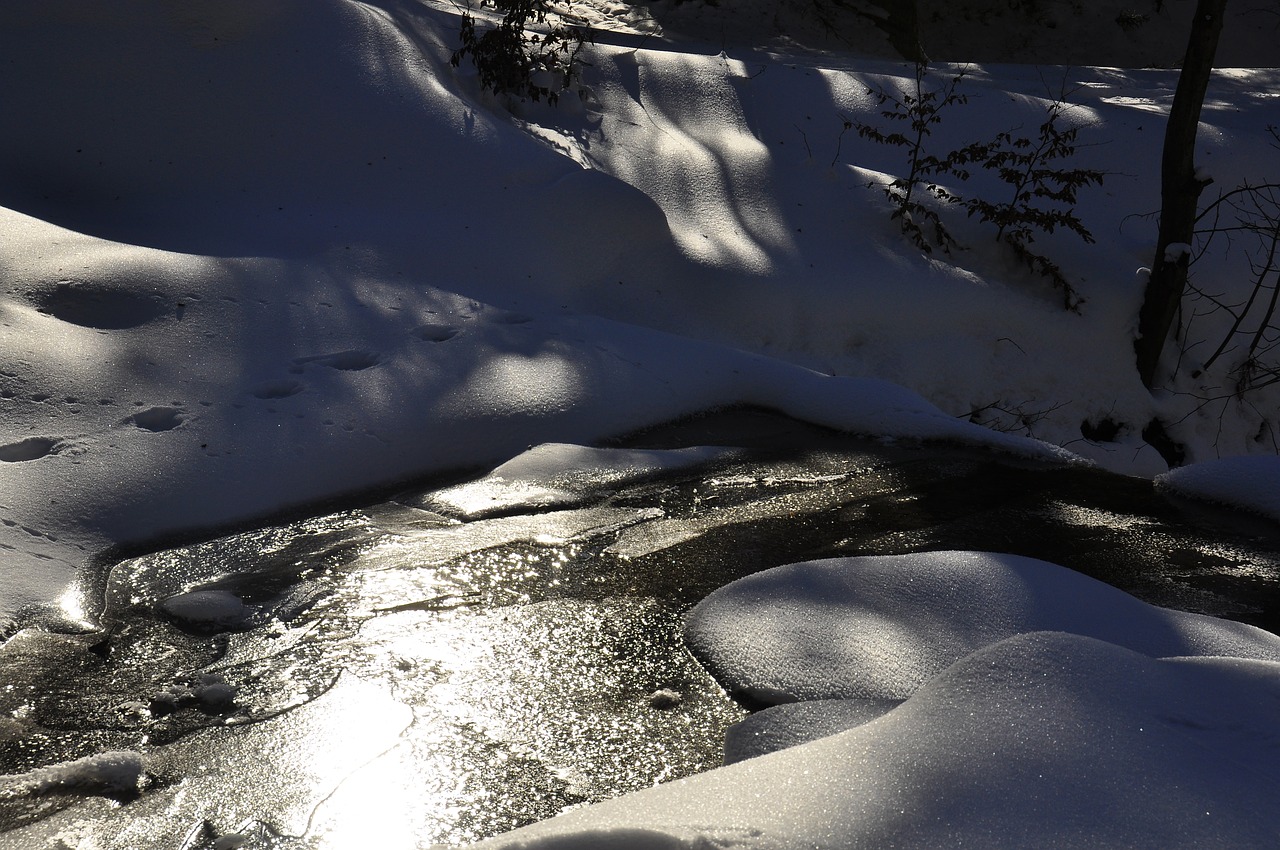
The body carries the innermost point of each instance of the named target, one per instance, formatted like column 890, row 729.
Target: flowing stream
column 399, row 675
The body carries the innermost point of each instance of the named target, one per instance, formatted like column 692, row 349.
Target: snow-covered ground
column 261, row 253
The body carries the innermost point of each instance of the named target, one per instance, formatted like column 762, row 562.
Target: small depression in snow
column 32, row 448
column 98, row 306
column 277, row 389
column 345, row 361
column 436, row 332
column 157, row 418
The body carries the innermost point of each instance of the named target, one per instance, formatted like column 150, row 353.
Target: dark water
column 393, row 676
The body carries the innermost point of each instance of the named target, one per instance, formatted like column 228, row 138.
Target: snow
column 792, row 723
column 1045, row 739
column 558, row 475
column 206, row 609
column 1249, row 483
column 259, row 255
column 104, row 773
column 880, row 627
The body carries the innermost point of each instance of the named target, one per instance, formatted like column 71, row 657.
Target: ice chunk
column 206, row 610
column 109, row 773
column 560, row 475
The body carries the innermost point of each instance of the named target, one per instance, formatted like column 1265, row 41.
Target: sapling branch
column 920, row 109
column 1255, row 210
column 1042, row 193
column 511, row 57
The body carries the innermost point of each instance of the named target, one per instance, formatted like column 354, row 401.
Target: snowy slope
column 262, row 254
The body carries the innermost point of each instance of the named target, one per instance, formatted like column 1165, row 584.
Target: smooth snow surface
column 879, row 627
column 1044, row 739
column 1251, row 483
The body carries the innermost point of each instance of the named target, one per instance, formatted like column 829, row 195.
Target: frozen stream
column 450, row 664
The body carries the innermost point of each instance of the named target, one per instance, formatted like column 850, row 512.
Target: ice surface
column 1250, row 482
column 880, row 627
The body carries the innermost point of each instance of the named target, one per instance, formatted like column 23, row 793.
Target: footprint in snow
column 92, row 305
column 347, row 361
column 277, row 389
column 433, row 332
column 31, row 448
column 157, row 419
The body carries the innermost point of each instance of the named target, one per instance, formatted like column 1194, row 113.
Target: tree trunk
column 904, row 31
column 1179, row 191
column 899, row 20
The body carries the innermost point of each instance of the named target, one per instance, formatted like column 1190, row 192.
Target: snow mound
column 1039, row 740
column 560, row 475
column 1251, row 482
column 104, row 773
column 879, row 627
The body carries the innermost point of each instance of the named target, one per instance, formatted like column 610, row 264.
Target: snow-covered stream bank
column 258, row 256
column 460, row 662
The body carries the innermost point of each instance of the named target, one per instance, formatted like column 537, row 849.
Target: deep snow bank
column 262, row 254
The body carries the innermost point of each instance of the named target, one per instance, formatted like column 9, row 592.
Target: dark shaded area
column 1158, row 438
column 95, row 306
column 1105, row 430
column 31, row 448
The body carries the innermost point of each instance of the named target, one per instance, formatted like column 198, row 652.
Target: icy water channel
column 452, row 663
